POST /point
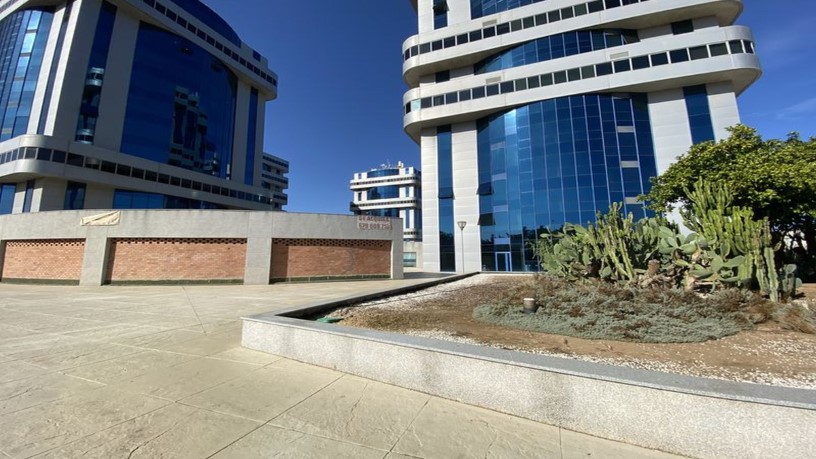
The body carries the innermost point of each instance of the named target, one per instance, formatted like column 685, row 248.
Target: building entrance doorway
column 504, row 262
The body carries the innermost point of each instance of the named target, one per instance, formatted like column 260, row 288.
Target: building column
column 239, row 143
column 258, row 267
column 95, row 261
column 116, row 84
column 670, row 126
column 397, row 270
column 49, row 194
column 722, row 104
column 430, row 202
column 466, row 199
column 72, row 71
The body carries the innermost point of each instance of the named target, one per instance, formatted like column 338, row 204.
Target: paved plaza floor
column 131, row 372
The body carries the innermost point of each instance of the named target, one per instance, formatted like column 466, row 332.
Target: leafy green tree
column 774, row 178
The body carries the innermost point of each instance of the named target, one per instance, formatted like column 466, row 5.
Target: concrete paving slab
column 211, row 325
column 36, row 344
column 81, row 354
column 16, row 370
column 25, row 393
column 174, row 431
column 270, row 441
column 581, row 446
column 159, row 341
column 128, row 367
column 449, row 429
column 115, row 332
column 134, row 318
column 356, row 410
column 50, row 425
column 266, row 393
column 205, row 345
column 9, row 332
column 240, row 354
column 186, row 379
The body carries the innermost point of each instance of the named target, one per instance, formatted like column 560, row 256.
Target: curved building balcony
column 85, row 136
column 409, row 180
column 95, row 77
column 397, row 203
column 467, row 43
column 711, row 55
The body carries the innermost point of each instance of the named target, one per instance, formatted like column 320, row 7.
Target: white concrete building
column 129, row 104
column 390, row 191
column 273, row 177
column 531, row 114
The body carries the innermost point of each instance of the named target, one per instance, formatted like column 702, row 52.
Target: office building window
column 7, row 192
column 444, row 154
column 440, row 10
column 74, row 196
column 28, row 197
column 699, row 113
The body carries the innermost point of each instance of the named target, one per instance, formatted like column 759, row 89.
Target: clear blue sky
column 339, row 110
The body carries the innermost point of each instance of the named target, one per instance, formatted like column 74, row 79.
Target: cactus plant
column 728, row 248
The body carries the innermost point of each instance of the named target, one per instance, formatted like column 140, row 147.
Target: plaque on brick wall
column 368, row 222
column 106, row 219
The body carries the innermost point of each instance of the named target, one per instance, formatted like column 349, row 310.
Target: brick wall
column 176, row 259
column 44, row 259
column 294, row 258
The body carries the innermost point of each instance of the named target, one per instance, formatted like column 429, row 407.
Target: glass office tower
column 532, row 114
column 130, row 104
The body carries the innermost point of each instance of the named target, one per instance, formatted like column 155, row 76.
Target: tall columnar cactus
column 764, row 258
column 728, row 248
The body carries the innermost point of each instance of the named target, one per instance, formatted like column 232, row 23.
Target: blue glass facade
column 556, row 46
column 440, row 9
column 181, row 106
column 479, row 8
column 7, row 192
column 23, row 36
column 558, row 161
column 52, row 75
column 204, row 14
column 74, row 196
column 444, row 154
column 383, row 173
column 92, row 93
column 384, row 192
column 28, row 196
column 124, row 199
column 252, row 141
column 393, row 213
column 699, row 113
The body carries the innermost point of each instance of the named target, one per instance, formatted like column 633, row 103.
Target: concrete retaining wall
column 193, row 245
column 689, row 416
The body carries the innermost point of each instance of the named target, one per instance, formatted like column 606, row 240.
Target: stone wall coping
column 708, row 387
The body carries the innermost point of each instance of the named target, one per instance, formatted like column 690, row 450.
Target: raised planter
column 684, row 415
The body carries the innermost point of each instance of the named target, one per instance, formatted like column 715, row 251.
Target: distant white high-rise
column 390, row 191
column 534, row 113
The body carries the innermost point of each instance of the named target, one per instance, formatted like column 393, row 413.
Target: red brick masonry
column 293, row 258
column 176, row 259
column 44, row 259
